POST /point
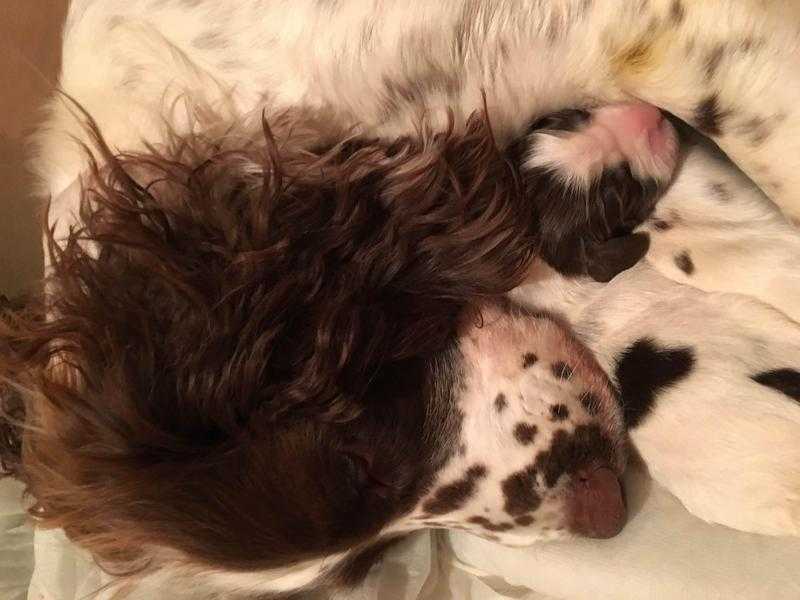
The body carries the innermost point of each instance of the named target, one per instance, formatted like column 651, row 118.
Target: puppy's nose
column 644, row 137
column 596, row 504
column 630, row 120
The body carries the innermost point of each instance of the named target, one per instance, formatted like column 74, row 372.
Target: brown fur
column 240, row 341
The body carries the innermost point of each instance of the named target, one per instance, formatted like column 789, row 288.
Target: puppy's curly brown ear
column 608, row 259
column 12, row 413
column 12, row 405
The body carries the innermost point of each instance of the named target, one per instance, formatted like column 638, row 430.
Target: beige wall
column 29, row 58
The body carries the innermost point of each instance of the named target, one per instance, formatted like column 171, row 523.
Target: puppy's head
column 594, row 176
column 254, row 362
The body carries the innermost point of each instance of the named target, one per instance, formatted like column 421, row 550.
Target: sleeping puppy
column 256, row 353
column 261, row 341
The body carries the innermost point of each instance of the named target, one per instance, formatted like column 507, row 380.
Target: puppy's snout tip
column 632, row 119
column 597, row 505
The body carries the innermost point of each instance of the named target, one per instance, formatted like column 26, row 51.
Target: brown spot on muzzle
column 569, row 453
column 454, row 495
column 596, row 505
column 520, row 493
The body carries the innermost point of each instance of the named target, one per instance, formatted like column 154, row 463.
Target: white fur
column 130, row 63
column 494, row 355
column 735, row 237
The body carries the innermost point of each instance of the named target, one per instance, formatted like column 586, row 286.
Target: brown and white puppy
column 276, row 346
column 593, row 178
column 311, row 350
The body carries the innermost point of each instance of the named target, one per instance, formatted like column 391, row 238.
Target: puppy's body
column 727, row 67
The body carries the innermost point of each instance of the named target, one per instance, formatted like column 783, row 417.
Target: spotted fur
column 705, row 362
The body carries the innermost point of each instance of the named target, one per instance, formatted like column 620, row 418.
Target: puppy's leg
column 717, row 231
column 730, row 68
column 710, row 385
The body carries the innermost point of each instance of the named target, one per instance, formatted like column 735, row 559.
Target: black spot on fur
column 662, row 225
column 677, row 12
column 568, row 452
column 786, row 381
column 209, row 40
column 462, row 450
column 328, row 4
column 761, row 168
column 721, row 192
column 708, row 116
column 529, row 359
column 115, row 21
column 684, row 262
column 561, row 370
column 590, row 403
column 616, row 255
column 520, row 493
column 524, row 520
column 654, row 25
column 524, row 433
column 713, row 60
column 489, row 526
column 500, row 403
column 559, row 412
column 555, row 27
column 756, row 129
column 749, row 44
column 452, row 496
column 645, row 369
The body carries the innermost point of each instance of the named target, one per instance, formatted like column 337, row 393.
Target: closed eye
column 360, row 475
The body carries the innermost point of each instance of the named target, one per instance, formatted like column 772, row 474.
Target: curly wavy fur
column 251, row 317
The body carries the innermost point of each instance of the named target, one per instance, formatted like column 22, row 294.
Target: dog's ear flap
column 607, row 260
column 12, row 409
column 12, row 414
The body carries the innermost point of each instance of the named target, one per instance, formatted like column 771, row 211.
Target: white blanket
column 16, row 544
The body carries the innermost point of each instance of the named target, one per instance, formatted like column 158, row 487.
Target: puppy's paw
column 732, row 458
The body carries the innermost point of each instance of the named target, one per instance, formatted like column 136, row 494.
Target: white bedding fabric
column 16, row 544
